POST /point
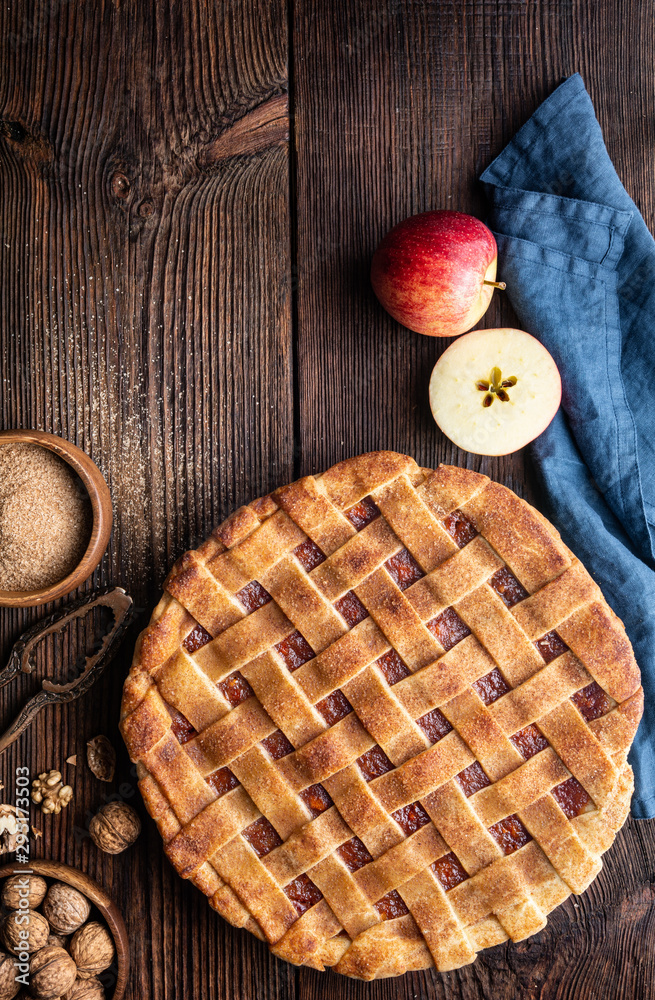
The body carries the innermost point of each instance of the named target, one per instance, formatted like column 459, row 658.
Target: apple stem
column 496, row 284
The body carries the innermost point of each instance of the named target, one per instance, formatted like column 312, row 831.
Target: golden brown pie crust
column 470, row 769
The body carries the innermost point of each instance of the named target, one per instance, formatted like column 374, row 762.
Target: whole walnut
column 23, row 888
column 8, row 985
column 92, row 949
column 115, row 827
column 65, row 908
column 57, row 939
column 24, row 930
column 85, row 989
column 52, row 972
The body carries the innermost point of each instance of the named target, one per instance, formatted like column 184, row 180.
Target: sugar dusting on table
column 45, row 518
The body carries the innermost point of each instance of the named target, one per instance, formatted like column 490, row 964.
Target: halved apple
column 494, row 391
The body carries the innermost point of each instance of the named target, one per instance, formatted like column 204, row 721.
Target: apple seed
column 496, row 385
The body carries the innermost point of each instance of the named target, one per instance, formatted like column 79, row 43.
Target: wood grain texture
column 184, row 294
column 399, row 106
column 146, row 315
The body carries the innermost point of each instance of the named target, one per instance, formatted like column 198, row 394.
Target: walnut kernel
column 24, row 930
column 52, row 972
column 115, row 827
column 65, row 908
column 9, row 828
column 49, row 791
column 92, row 949
column 18, row 889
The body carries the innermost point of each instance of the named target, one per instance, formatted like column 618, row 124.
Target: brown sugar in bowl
column 100, row 500
column 99, row 898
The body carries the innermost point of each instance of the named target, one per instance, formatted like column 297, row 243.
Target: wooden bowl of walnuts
column 63, row 948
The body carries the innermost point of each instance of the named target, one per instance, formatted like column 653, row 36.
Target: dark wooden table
column 190, row 196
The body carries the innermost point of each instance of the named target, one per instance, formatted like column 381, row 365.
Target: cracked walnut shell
column 21, row 889
column 115, row 827
column 24, row 930
column 9, row 828
column 52, row 972
column 92, row 949
column 101, row 758
column 49, row 791
column 65, row 908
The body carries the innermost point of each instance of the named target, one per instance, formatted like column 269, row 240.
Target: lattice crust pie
column 381, row 718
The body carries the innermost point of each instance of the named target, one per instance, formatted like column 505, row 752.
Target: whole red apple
column 435, row 272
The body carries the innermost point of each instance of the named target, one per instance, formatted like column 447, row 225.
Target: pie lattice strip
column 409, row 557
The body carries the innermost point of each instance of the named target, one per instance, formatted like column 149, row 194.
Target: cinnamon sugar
column 45, row 518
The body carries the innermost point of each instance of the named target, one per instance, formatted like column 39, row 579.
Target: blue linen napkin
column 579, row 264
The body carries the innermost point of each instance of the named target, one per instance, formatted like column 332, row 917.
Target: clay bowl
column 108, row 909
column 100, row 499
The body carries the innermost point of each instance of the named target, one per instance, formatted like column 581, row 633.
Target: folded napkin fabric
column 579, row 263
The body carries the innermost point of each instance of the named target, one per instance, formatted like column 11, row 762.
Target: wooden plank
column 398, row 108
column 145, row 314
